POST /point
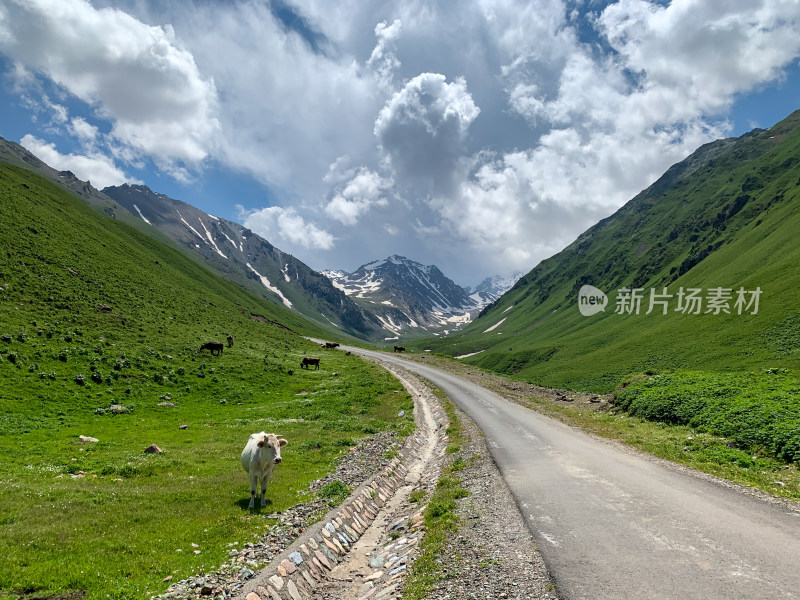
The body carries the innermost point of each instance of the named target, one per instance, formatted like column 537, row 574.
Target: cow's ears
column 282, row 442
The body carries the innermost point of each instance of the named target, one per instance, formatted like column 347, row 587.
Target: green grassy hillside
column 100, row 328
column 725, row 217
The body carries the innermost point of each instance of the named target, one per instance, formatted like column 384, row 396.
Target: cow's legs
column 264, row 482
column 253, row 488
column 263, row 492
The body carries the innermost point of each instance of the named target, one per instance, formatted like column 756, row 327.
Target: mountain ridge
column 426, row 300
column 723, row 218
column 246, row 258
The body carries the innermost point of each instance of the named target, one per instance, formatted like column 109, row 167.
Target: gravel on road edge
column 492, row 555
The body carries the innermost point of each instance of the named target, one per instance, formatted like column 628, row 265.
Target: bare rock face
column 153, row 449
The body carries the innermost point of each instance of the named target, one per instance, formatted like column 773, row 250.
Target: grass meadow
column 100, row 328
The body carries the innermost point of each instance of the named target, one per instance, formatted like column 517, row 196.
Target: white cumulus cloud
column 363, row 191
column 135, row 75
column 383, row 59
column 278, row 223
column 96, row 168
column 423, row 128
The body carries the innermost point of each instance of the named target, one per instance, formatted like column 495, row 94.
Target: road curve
column 612, row 524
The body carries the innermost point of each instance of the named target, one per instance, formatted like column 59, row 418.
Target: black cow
column 399, row 349
column 309, row 361
column 214, row 347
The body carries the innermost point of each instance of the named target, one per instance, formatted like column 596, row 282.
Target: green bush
column 757, row 411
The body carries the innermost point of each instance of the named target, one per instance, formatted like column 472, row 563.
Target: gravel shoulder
column 493, row 554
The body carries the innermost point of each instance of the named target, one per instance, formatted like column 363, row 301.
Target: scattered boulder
column 166, row 404
column 183, row 427
column 86, row 438
column 153, row 449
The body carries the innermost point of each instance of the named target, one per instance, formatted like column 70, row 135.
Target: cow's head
column 273, row 444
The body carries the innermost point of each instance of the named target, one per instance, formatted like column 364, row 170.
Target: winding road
column 613, row 524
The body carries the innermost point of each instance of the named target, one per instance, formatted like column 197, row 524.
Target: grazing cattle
column 330, row 345
column 399, row 349
column 259, row 457
column 214, row 347
column 230, row 341
column 309, row 361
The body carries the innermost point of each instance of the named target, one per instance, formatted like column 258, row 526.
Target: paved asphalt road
column 611, row 524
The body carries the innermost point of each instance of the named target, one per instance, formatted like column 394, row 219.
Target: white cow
column 259, row 457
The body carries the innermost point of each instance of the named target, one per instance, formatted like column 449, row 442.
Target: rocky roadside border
column 363, row 549
column 367, row 458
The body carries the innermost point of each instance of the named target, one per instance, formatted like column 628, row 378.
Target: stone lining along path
column 363, row 549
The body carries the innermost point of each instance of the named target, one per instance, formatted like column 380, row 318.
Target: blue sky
column 482, row 139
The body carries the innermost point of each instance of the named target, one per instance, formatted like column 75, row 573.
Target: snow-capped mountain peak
column 408, row 296
column 491, row 288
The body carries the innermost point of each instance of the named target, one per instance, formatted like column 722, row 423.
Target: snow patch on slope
column 211, row 240
column 197, row 233
column 141, row 215
column 470, row 354
column 265, row 282
column 233, row 243
column 495, row 326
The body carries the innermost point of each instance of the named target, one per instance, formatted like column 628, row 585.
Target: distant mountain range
column 411, row 299
column 379, row 300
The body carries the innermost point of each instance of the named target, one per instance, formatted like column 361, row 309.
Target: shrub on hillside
column 758, row 411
